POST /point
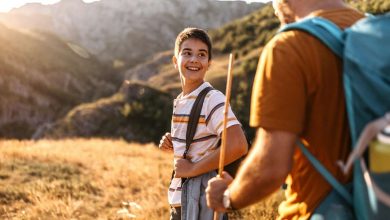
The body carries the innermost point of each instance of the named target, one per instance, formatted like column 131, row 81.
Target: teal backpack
column 365, row 50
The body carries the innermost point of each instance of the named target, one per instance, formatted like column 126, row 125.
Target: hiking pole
column 225, row 119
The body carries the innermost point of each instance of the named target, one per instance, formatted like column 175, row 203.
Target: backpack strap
column 194, row 118
column 326, row 174
column 326, row 31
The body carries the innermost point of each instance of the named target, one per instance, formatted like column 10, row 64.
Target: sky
column 7, row 5
column 247, row 1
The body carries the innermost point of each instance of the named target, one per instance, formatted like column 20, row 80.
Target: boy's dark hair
column 194, row 33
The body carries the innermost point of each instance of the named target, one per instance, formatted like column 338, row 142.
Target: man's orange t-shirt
column 298, row 88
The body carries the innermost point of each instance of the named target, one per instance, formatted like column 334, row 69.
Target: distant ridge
column 44, row 79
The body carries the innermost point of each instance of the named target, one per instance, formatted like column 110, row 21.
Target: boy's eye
column 186, row 53
column 202, row 55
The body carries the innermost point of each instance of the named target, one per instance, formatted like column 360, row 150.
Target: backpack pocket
column 334, row 207
column 382, row 181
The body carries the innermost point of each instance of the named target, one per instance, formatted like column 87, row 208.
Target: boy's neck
column 190, row 87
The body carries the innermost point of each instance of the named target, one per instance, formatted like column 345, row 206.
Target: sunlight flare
column 7, row 5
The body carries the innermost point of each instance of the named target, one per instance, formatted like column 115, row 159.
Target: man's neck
column 302, row 10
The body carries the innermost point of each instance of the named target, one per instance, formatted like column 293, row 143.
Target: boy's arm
column 236, row 146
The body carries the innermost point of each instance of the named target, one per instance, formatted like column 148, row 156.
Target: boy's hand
column 184, row 168
column 166, row 142
column 215, row 189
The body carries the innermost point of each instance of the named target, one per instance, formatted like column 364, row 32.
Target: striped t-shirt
column 207, row 134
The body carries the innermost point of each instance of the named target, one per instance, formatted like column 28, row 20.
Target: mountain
column 122, row 31
column 42, row 77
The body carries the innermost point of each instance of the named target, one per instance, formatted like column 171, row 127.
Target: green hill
column 246, row 37
column 371, row 6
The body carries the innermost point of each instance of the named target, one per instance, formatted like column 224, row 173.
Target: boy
column 192, row 59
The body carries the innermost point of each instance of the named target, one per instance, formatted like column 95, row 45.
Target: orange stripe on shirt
column 185, row 119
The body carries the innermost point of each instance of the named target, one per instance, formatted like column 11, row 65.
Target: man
column 297, row 95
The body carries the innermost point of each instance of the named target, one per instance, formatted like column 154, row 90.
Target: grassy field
column 91, row 179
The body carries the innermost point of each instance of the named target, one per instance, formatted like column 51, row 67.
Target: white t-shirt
column 207, row 134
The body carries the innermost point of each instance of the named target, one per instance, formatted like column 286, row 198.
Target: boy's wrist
column 195, row 169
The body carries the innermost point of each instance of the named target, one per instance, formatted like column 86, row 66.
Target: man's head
column 193, row 33
column 292, row 10
column 283, row 11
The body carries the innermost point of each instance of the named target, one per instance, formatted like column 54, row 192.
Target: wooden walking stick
column 225, row 120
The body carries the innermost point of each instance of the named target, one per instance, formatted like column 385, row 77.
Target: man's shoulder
column 342, row 17
column 286, row 41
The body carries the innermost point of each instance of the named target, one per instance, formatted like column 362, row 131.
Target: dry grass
column 90, row 179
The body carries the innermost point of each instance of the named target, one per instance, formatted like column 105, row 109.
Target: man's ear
column 174, row 61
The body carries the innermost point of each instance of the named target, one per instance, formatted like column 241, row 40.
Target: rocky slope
column 42, row 77
column 125, row 30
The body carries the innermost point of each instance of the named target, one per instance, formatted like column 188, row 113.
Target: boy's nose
column 193, row 58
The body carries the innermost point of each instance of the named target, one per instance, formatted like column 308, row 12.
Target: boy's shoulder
column 214, row 98
column 215, row 94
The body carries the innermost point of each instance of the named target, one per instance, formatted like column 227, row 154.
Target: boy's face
column 192, row 60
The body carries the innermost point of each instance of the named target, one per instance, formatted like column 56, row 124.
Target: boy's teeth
column 193, row 68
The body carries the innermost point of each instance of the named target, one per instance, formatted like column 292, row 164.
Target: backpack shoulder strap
column 194, row 118
column 326, row 31
column 325, row 173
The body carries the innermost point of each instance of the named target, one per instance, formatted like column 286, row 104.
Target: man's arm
column 263, row 171
column 236, row 146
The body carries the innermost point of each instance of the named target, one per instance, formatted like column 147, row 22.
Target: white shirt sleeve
column 214, row 113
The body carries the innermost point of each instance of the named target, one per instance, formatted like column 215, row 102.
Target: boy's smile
column 192, row 61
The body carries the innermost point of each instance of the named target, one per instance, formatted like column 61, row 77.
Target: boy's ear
column 210, row 62
column 174, row 61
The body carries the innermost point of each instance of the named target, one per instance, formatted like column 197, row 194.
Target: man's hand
column 215, row 189
column 166, row 142
column 184, row 168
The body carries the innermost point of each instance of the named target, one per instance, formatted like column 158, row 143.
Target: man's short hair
column 193, row 33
